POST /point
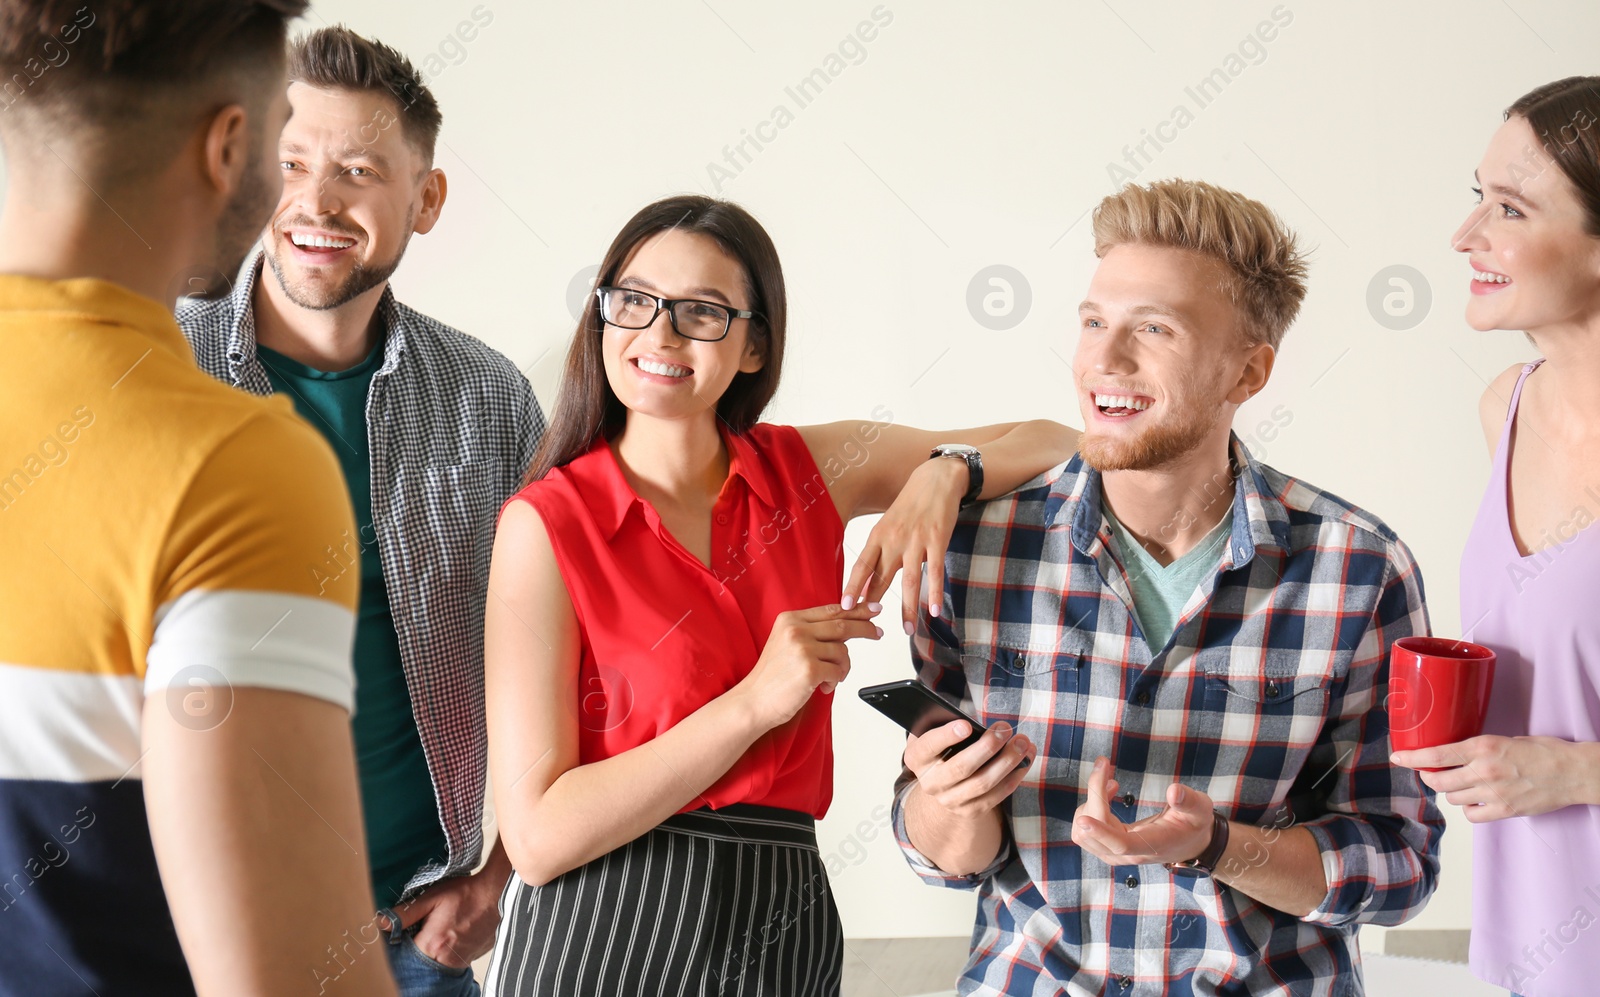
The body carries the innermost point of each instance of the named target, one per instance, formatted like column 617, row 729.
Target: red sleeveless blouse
column 662, row 634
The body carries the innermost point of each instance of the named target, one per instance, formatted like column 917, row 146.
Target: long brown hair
column 1565, row 115
column 586, row 407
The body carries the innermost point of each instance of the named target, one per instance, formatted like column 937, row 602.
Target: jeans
column 418, row 975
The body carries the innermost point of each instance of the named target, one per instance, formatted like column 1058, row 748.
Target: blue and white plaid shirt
column 1268, row 698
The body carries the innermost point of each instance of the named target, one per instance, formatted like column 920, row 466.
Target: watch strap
column 974, row 462
column 1207, row 861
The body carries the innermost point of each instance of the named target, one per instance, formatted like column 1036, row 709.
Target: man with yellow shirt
column 434, row 430
column 178, row 801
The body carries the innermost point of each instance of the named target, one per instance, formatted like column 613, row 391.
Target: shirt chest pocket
column 461, row 508
column 1272, row 701
column 1043, row 693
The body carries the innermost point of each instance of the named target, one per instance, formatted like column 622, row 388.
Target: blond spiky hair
column 1267, row 268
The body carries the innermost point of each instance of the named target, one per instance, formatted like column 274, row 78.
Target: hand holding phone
column 920, row 711
column 976, row 779
column 967, row 774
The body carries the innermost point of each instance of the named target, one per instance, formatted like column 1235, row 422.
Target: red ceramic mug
column 1438, row 691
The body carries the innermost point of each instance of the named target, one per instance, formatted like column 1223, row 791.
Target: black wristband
column 1205, row 864
column 974, row 461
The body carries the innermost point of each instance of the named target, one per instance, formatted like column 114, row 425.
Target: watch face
column 956, row 449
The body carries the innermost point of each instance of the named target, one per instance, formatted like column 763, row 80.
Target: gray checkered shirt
column 452, row 426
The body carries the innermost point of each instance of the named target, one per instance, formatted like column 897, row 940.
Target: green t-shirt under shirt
column 1161, row 591
column 397, row 800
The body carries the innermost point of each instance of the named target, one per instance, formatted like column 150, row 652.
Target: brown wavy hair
column 586, row 407
column 1564, row 114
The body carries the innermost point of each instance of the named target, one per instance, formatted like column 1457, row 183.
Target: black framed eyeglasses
column 631, row 308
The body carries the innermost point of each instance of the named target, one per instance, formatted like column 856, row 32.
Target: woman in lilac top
column 1530, row 574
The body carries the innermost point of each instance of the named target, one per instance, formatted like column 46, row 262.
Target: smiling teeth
column 1485, row 277
column 320, row 241
column 1120, row 401
column 664, row 369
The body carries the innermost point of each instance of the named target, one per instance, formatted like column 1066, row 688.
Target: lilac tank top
column 1536, row 880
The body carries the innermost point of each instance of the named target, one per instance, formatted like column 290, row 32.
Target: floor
column 921, row 967
column 925, row 967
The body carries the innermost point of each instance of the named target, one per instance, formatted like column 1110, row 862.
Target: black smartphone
column 919, row 709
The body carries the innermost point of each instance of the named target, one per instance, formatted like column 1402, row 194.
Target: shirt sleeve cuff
column 924, row 867
column 1367, row 884
column 208, row 641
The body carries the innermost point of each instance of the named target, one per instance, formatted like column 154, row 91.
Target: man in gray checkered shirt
column 434, row 431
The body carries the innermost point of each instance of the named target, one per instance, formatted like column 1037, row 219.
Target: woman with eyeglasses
column 665, row 627
column 1531, row 567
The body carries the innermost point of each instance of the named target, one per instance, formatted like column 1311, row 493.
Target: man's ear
column 1257, row 369
column 225, row 151
column 434, row 189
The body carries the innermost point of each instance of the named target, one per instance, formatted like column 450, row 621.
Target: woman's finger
column 935, row 556
column 910, row 591
column 861, row 575
column 1450, row 780
column 1464, row 798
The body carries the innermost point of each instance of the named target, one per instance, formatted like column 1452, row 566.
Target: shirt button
column 1143, row 698
column 1127, row 799
column 1125, row 983
column 722, row 519
column 1272, row 688
column 1131, row 882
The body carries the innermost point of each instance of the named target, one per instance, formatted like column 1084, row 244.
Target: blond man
column 1180, row 654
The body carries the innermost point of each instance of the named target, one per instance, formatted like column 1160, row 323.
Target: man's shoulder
column 456, row 354
column 203, row 313
column 206, row 323
column 1031, row 503
column 1313, row 512
column 1017, row 524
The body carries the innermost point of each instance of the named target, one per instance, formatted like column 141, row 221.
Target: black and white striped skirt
column 732, row 902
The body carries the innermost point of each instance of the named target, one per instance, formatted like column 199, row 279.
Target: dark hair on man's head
column 72, row 56
column 134, row 72
column 337, row 58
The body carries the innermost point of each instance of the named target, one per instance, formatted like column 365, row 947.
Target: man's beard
column 1157, row 446
column 358, row 281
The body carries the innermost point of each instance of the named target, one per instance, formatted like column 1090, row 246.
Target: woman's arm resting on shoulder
column 869, row 465
column 892, row 473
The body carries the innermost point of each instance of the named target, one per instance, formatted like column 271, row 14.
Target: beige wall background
column 900, row 151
